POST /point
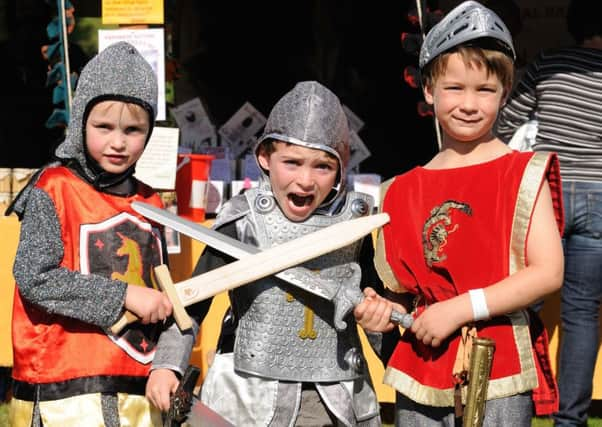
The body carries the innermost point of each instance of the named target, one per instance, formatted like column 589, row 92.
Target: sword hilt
column 166, row 284
column 404, row 320
column 127, row 318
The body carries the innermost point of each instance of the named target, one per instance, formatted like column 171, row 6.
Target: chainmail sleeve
column 42, row 281
column 175, row 346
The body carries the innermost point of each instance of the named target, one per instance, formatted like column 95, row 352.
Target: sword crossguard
column 166, row 284
column 348, row 296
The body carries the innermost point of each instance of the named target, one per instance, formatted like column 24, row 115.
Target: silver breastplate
column 284, row 332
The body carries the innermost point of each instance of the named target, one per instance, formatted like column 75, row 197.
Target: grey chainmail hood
column 311, row 115
column 120, row 73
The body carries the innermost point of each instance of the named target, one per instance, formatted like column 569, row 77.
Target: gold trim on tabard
column 525, row 203
column 380, row 257
column 528, row 191
column 138, row 411
column 20, row 413
column 502, row 387
column 85, row 410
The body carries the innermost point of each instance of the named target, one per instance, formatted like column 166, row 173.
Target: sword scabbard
column 481, row 358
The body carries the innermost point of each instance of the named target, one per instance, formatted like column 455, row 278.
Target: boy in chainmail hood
column 85, row 256
column 289, row 364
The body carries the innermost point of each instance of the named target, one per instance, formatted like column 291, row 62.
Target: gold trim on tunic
column 502, row 387
column 85, row 410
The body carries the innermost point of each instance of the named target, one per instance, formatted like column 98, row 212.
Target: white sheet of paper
column 239, row 131
column 194, row 106
column 157, row 165
column 359, row 151
column 198, row 133
column 355, row 123
column 150, row 44
column 238, row 185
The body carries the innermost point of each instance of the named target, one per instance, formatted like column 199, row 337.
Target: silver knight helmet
column 466, row 22
column 311, row 115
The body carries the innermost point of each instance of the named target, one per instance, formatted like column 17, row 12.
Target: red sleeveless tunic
column 454, row 230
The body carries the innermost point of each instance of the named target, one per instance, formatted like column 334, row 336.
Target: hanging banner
column 132, row 11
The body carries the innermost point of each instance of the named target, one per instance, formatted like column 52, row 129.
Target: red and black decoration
column 420, row 18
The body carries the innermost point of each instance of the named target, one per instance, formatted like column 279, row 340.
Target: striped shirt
column 562, row 90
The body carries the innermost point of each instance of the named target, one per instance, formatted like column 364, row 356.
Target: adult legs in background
column 580, row 301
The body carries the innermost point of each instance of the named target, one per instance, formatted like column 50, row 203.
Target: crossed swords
column 254, row 264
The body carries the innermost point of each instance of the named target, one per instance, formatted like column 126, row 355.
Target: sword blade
column 221, row 242
column 277, row 258
column 300, row 277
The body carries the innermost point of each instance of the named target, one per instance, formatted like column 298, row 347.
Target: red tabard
column 101, row 235
column 454, row 230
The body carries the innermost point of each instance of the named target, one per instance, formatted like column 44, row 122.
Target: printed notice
column 240, row 129
column 132, row 11
column 157, row 165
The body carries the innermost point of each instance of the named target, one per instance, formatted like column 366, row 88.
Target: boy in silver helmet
column 84, row 256
column 474, row 239
column 289, row 365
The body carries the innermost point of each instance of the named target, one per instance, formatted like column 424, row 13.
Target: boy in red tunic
column 84, row 256
column 474, row 237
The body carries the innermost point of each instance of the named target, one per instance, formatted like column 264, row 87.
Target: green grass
column 537, row 422
column 547, row 422
column 542, row 422
column 3, row 414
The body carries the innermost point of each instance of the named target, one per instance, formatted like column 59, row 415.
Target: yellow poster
column 132, row 11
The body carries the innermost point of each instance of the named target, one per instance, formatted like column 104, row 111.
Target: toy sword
column 345, row 296
column 256, row 266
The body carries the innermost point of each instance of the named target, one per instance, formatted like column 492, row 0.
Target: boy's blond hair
column 495, row 62
column 136, row 110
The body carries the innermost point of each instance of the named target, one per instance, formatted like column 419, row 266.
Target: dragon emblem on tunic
column 438, row 227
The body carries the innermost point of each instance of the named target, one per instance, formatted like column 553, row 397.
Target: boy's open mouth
column 301, row 200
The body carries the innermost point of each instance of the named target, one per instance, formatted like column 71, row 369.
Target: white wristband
column 479, row 304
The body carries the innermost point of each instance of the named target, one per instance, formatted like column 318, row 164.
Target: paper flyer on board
column 157, row 165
